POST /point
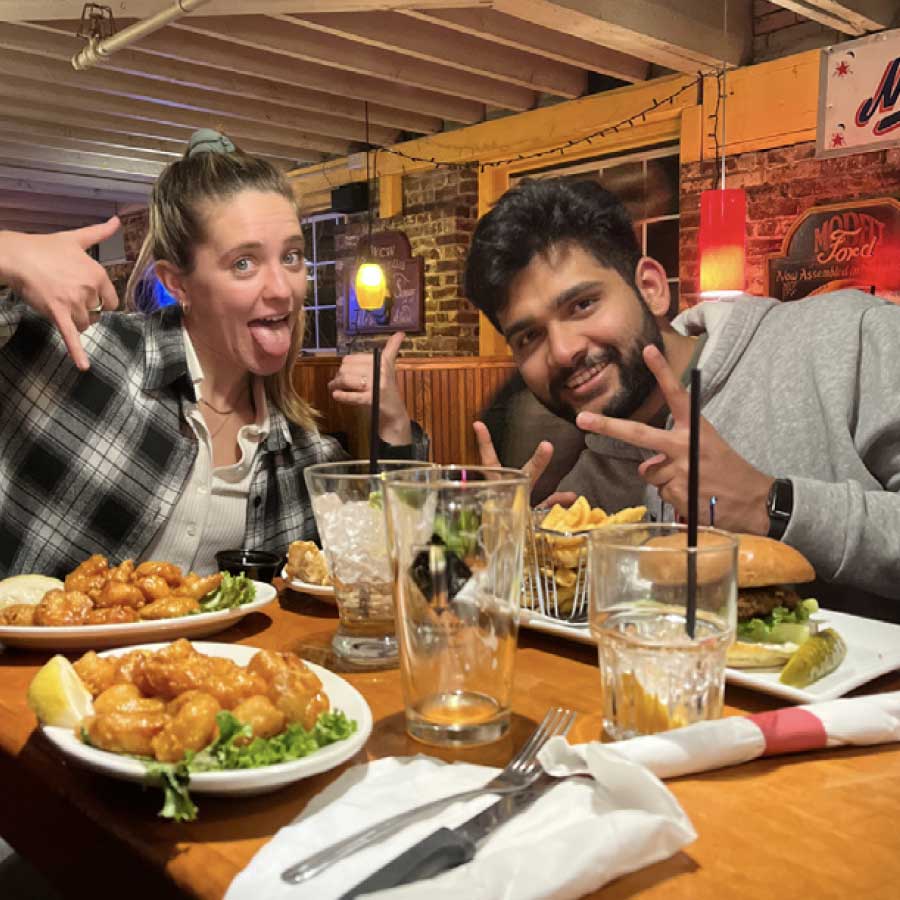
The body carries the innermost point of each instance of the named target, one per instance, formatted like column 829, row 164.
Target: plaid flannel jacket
column 93, row 462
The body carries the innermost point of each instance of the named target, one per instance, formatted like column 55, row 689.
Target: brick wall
column 780, row 185
column 778, row 32
column 134, row 228
column 438, row 216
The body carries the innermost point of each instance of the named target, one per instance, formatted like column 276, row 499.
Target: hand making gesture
column 57, row 278
column 534, row 468
column 740, row 489
column 352, row 385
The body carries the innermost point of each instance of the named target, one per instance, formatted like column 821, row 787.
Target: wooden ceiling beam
column 429, row 41
column 679, row 34
column 25, row 200
column 55, row 185
column 855, row 17
column 273, row 35
column 78, row 161
column 60, row 220
column 35, row 10
column 40, row 134
column 87, row 102
column 122, row 130
column 498, row 28
column 59, row 44
column 383, row 96
column 133, row 87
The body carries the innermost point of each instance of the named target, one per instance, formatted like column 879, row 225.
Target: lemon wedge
column 26, row 589
column 58, row 696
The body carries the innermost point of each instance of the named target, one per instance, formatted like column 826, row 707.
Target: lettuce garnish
column 781, row 626
column 233, row 591
column 231, row 750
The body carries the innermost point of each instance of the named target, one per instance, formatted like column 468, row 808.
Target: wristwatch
column 780, row 505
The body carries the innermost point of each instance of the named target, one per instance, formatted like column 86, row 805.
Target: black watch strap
column 780, row 505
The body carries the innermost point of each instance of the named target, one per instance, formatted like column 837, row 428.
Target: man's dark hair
column 535, row 216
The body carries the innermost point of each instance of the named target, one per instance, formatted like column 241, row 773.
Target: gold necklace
column 221, row 412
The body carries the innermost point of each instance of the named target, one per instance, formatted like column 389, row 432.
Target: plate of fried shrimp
column 101, row 605
column 223, row 719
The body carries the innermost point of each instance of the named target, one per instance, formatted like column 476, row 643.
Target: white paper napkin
column 851, row 721
column 573, row 839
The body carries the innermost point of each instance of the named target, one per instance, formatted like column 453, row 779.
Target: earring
column 185, row 308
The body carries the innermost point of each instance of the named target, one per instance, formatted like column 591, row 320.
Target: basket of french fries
column 556, row 565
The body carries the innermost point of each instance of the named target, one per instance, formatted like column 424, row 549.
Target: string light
column 605, row 131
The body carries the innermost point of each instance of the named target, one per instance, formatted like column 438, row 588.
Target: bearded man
column 800, row 431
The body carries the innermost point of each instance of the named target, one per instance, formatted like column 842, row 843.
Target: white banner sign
column 859, row 95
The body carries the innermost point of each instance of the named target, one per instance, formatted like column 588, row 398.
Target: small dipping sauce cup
column 260, row 565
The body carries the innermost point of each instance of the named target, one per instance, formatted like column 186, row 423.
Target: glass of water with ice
column 348, row 504
column 654, row 675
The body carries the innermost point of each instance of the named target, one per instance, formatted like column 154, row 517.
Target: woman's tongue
column 273, row 338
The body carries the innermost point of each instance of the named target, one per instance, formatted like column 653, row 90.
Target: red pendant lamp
column 723, row 223
column 723, row 236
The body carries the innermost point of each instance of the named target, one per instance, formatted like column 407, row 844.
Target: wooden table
column 811, row 825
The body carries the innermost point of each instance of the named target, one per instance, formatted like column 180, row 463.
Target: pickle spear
column 818, row 655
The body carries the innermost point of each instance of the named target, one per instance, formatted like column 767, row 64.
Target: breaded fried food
column 292, row 687
column 166, row 570
column 169, row 607
column 119, row 593
column 88, row 575
column 97, row 673
column 131, row 731
column 179, row 668
column 198, row 586
column 306, row 562
column 263, row 717
column 112, row 615
column 118, row 698
column 164, row 703
column 191, row 726
column 18, row 614
column 61, row 608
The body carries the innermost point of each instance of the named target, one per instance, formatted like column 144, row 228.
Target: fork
column 521, row 772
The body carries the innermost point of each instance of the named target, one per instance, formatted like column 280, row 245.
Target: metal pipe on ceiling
column 97, row 50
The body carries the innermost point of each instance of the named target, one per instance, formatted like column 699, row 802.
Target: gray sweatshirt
column 807, row 390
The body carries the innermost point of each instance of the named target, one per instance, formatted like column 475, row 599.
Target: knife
column 447, row 848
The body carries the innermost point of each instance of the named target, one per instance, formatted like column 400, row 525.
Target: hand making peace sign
column 739, row 488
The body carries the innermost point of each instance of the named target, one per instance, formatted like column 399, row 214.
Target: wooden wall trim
column 443, row 394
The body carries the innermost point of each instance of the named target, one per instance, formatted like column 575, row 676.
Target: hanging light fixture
column 723, row 218
column 370, row 284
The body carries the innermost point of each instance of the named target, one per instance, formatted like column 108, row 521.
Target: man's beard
column 636, row 381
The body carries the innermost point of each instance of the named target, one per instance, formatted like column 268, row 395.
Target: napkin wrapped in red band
column 727, row 742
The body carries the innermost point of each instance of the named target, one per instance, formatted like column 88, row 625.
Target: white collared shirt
column 211, row 513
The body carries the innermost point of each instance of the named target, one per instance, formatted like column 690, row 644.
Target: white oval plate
column 325, row 591
column 235, row 782
column 873, row 649
column 93, row 637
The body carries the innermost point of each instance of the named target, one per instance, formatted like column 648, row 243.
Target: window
column 647, row 183
column 321, row 293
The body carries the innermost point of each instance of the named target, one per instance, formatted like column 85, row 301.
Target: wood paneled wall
column 443, row 394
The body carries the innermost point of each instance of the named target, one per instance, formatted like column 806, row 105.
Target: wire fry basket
column 555, row 581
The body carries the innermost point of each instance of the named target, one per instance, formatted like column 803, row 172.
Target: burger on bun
column 773, row 619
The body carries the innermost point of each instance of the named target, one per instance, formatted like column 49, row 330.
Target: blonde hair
column 212, row 171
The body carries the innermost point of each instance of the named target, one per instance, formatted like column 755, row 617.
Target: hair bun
column 208, row 140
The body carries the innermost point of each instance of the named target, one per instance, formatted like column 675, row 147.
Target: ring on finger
column 96, row 310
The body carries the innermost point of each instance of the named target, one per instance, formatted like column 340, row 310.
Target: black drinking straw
column 693, row 502
column 376, row 402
